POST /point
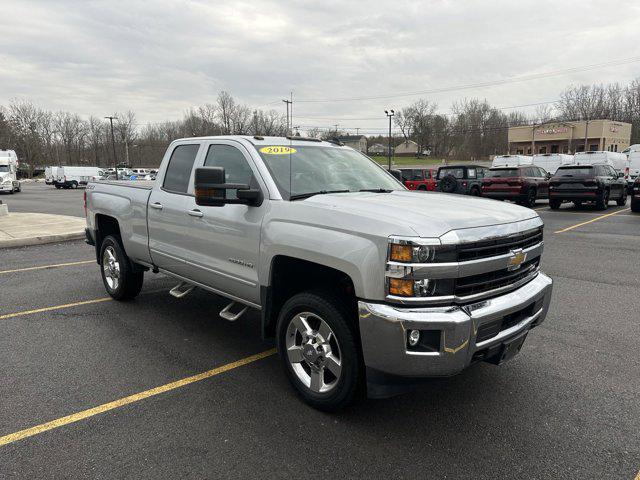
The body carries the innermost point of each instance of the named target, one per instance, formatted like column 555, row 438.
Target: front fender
column 359, row 256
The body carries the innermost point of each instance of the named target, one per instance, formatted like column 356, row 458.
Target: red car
column 524, row 185
column 419, row 178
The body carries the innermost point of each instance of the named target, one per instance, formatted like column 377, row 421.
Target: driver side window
column 236, row 167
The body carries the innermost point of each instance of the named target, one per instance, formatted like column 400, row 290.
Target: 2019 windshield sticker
column 277, row 150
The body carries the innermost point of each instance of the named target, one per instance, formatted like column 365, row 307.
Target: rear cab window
column 178, row 173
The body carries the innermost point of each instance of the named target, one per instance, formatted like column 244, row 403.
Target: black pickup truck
column 598, row 183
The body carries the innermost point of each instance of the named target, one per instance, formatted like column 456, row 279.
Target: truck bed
column 126, row 201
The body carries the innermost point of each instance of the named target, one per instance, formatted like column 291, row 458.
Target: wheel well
column 290, row 276
column 105, row 226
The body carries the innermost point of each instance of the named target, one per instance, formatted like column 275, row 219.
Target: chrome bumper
column 383, row 330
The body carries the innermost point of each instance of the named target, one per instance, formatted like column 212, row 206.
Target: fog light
column 414, row 337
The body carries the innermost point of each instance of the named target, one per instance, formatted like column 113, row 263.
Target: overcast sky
column 160, row 58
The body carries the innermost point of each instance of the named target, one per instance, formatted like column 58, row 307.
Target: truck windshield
column 299, row 170
column 572, row 171
column 504, row 172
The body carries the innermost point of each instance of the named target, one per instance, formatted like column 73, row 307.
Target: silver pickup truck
column 366, row 286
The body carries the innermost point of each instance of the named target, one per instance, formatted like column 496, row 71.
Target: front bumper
column 383, row 330
column 6, row 187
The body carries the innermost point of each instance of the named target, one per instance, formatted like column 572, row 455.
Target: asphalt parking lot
column 80, row 368
column 39, row 197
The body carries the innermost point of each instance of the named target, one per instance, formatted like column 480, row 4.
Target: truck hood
column 428, row 214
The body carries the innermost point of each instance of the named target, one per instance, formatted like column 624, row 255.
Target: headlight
column 404, row 260
column 419, row 250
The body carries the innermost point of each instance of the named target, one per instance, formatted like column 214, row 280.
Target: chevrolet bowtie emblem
column 516, row 259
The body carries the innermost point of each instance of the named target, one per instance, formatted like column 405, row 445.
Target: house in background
column 407, row 148
column 357, row 142
column 377, row 149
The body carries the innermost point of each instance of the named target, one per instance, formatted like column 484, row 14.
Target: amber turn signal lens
column 401, row 253
column 401, row 287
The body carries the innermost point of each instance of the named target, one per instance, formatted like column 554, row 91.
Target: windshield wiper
column 300, row 196
column 376, row 190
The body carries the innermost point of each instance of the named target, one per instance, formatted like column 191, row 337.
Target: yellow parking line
column 76, row 417
column 591, row 221
column 541, row 208
column 41, row 267
column 57, row 307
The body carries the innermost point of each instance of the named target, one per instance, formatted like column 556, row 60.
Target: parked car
column 634, row 169
column 635, row 196
column 419, row 178
column 363, row 284
column 523, row 185
column 550, row 162
column 511, row 160
column 74, row 177
column 597, row 184
column 462, row 179
column 50, row 174
column 619, row 161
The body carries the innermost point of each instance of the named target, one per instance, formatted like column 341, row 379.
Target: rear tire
column 318, row 347
column 635, row 204
column 602, row 203
column 578, row 203
column 554, row 204
column 118, row 276
column 475, row 192
column 622, row 201
column 530, row 201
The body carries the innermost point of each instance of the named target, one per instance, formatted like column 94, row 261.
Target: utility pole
column 586, row 134
column 390, row 114
column 255, row 122
column 113, row 145
column 288, row 102
column 357, row 131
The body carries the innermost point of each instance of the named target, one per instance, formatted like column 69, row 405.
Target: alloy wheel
column 111, row 268
column 313, row 352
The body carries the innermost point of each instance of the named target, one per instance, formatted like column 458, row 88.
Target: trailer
column 552, row 161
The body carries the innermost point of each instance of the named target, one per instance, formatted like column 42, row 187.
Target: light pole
column 113, row 145
column 389, row 113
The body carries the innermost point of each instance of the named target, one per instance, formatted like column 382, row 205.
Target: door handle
column 195, row 213
column 156, row 205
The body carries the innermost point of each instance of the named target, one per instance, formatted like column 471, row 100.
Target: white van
column 9, row 172
column 634, row 167
column 511, row 160
column 50, row 174
column 633, row 148
column 617, row 160
column 73, row 177
column 551, row 161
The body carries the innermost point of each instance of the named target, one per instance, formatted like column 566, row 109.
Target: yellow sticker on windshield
column 277, row 150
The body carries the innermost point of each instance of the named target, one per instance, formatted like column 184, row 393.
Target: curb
column 41, row 240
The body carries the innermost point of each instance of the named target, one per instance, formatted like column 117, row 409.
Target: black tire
column 578, row 203
column 554, row 204
column 58, row 187
column 622, row 201
column 635, row 204
column 449, row 184
column 475, row 192
column 602, row 203
column 422, row 188
column 74, row 185
column 329, row 308
column 129, row 282
column 530, row 200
